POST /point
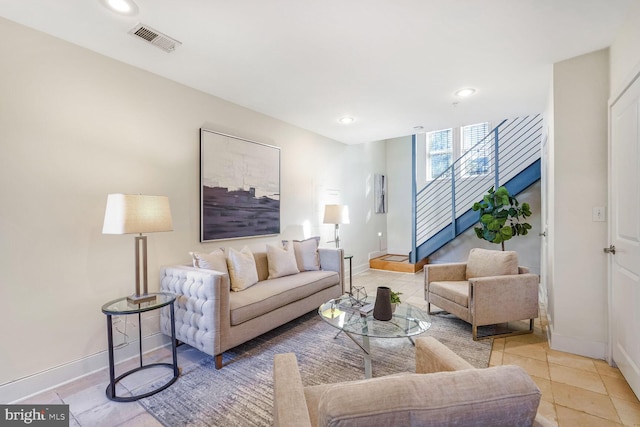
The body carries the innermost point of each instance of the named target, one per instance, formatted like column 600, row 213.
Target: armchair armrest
column 444, row 272
column 433, row 356
column 289, row 404
column 500, row 299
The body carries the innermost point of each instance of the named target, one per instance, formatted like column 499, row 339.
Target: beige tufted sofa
column 213, row 319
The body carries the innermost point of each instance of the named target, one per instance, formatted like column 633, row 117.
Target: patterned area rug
column 241, row 393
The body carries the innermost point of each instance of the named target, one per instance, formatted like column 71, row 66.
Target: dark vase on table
column 382, row 307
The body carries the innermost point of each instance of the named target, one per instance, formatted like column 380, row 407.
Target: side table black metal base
column 112, row 396
column 111, row 388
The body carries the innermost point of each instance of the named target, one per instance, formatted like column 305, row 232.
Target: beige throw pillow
column 306, row 252
column 215, row 260
column 281, row 261
column 485, row 263
column 242, row 269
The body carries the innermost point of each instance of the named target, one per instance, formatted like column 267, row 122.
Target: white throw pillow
column 242, row 269
column 215, row 260
column 281, row 261
column 306, row 251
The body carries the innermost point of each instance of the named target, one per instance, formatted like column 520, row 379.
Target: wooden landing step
column 399, row 263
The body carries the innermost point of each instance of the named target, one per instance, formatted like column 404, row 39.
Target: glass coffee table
column 347, row 315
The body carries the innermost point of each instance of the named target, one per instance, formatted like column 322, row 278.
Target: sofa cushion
column 215, row 260
column 306, row 252
column 281, row 261
column 269, row 295
column 242, row 269
column 456, row 291
column 485, row 263
column 498, row 396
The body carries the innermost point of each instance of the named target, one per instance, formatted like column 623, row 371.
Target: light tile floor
column 576, row 391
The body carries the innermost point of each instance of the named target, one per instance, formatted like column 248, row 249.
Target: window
column 479, row 158
column 439, row 152
column 447, row 145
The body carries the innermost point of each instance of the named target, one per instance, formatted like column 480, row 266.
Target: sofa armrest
column 433, row 356
column 332, row 260
column 500, row 299
column 289, row 404
column 201, row 308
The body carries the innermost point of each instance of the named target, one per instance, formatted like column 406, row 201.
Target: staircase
column 508, row 156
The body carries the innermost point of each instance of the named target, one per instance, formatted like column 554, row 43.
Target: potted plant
column 395, row 299
column 501, row 216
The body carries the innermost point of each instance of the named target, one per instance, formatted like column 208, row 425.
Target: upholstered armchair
column 497, row 396
column 489, row 289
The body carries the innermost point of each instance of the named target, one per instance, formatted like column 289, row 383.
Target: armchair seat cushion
column 499, row 396
column 456, row 291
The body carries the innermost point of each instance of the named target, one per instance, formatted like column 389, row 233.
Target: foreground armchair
column 489, row 289
column 498, row 396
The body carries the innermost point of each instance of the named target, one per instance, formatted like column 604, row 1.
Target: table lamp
column 336, row 214
column 137, row 214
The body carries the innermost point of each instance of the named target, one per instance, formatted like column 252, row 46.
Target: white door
column 544, row 222
column 624, row 265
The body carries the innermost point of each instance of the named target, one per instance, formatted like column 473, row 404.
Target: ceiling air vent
column 154, row 37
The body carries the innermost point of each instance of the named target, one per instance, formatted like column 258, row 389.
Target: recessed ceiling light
column 346, row 120
column 463, row 93
column 123, row 7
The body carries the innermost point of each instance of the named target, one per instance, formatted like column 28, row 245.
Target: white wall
column 579, row 181
column 400, row 180
column 362, row 162
column 625, row 52
column 76, row 126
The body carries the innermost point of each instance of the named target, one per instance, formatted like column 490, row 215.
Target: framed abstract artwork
column 380, row 193
column 239, row 187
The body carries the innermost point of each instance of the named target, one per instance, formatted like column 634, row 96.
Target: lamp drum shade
column 336, row 214
column 129, row 214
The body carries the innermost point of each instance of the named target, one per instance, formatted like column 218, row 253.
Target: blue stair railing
column 509, row 155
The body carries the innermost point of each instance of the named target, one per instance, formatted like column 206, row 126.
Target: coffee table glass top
column 407, row 319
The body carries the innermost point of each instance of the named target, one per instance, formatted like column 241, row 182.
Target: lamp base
column 139, row 299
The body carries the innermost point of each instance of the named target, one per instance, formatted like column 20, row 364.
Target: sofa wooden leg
column 218, row 358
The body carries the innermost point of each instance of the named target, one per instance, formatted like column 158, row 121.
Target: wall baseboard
column 592, row 349
column 31, row 385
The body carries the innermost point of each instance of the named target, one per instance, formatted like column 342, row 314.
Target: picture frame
column 239, row 187
column 380, row 193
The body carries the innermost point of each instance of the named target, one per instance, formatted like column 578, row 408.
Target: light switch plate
column 598, row 214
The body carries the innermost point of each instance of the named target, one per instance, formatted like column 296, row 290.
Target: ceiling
column 390, row 64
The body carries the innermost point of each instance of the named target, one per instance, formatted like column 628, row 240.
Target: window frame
column 457, row 151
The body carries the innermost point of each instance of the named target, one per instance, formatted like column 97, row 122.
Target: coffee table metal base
column 342, row 314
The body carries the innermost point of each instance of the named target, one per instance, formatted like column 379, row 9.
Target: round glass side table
column 121, row 307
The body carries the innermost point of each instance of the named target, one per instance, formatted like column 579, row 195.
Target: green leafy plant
column 395, row 297
column 501, row 216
